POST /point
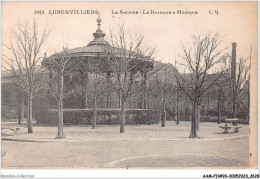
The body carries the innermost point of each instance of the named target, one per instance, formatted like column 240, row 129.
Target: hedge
column 105, row 117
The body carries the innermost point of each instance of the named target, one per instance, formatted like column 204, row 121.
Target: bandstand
column 96, row 58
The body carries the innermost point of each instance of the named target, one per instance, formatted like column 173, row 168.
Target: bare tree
column 91, row 69
column 62, row 68
column 221, row 91
column 242, row 75
column 162, row 90
column 163, row 111
column 128, row 60
column 167, row 92
column 96, row 69
column 24, row 47
column 199, row 60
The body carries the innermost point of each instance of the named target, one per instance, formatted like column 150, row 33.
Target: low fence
column 105, row 116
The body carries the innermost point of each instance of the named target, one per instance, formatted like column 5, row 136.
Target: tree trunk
column 181, row 111
column 194, row 121
column 94, row 124
column 144, row 92
column 59, row 124
column 61, row 119
column 108, row 90
column 21, row 112
column 192, row 124
column 234, row 96
column 60, row 110
column 119, row 99
column 122, row 128
column 219, row 114
column 60, row 134
column 86, row 91
column 198, row 117
column 234, row 114
column 29, row 123
column 219, row 110
column 163, row 104
column 220, row 103
column 130, row 98
column 163, row 116
column 177, row 106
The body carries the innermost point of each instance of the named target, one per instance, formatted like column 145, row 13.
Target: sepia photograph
column 129, row 85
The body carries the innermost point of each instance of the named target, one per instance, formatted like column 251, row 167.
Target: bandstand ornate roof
column 97, row 48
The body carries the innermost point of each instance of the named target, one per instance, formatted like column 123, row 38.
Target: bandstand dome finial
column 99, row 20
column 98, row 35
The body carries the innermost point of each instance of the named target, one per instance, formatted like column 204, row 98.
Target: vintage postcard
column 129, row 85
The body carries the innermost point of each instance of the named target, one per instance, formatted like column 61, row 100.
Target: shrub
column 108, row 118
column 212, row 112
column 146, row 117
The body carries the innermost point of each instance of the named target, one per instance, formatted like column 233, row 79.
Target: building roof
column 7, row 76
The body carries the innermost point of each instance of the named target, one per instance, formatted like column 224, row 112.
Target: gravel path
column 97, row 148
column 141, row 132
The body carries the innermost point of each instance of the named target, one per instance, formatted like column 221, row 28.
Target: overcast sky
column 236, row 21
